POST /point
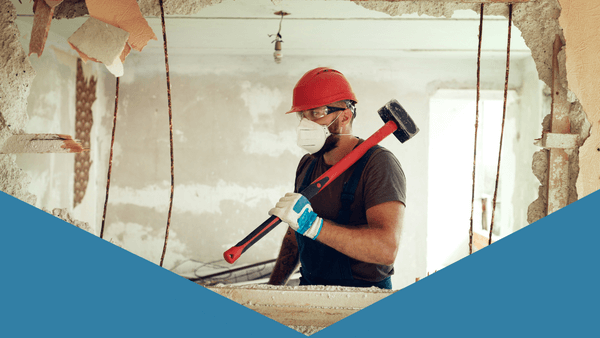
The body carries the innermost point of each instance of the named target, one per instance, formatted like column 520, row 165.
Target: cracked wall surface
column 16, row 75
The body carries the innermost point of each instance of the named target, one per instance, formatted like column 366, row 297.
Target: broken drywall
column 16, row 75
column 539, row 25
column 101, row 42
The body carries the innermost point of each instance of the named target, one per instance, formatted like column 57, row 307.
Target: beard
column 331, row 142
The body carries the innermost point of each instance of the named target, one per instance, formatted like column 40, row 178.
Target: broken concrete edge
column 64, row 215
column 13, row 105
column 41, row 144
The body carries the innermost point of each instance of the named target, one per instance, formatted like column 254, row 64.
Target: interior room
column 233, row 148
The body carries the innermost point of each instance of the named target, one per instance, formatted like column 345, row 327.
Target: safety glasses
column 317, row 113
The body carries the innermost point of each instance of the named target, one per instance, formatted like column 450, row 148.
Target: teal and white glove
column 295, row 210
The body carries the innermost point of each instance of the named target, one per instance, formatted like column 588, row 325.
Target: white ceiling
column 316, row 28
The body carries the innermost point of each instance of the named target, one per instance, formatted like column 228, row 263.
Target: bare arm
column 287, row 261
column 376, row 242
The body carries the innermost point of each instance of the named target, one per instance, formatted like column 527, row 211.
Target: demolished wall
column 16, row 76
column 538, row 23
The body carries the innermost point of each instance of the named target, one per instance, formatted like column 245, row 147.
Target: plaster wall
column 579, row 19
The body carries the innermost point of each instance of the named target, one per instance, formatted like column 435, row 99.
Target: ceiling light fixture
column 278, row 55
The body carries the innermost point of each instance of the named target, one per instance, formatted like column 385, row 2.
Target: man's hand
column 295, row 210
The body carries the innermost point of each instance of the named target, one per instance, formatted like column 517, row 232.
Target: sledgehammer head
column 393, row 111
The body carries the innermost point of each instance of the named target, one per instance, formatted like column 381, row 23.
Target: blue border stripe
column 58, row 280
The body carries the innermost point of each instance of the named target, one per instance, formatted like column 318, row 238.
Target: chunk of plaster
column 41, row 25
column 101, row 42
column 126, row 15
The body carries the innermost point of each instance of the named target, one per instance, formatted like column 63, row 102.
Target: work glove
column 295, row 210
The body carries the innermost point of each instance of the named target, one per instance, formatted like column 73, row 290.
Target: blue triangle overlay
column 58, row 280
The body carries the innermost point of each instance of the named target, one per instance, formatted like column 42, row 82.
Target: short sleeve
column 384, row 179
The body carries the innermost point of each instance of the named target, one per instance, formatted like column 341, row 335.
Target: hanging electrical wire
column 162, row 17
column 510, row 11
column 278, row 54
column 112, row 142
column 476, row 126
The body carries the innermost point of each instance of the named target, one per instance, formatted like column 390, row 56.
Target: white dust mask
column 312, row 136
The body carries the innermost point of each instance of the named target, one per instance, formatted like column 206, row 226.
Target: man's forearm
column 287, row 261
column 376, row 242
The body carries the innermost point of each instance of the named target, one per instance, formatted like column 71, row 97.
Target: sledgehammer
column 396, row 120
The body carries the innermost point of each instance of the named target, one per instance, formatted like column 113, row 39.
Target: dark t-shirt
column 382, row 181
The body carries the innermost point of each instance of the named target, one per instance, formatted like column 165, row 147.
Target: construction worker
column 348, row 234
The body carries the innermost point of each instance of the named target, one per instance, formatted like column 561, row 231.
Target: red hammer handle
column 314, row 188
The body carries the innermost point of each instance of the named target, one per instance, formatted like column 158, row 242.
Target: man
column 338, row 240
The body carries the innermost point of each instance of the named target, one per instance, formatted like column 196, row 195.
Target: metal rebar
column 162, row 17
column 510, row 10
column 112, row 142
column 476, row 127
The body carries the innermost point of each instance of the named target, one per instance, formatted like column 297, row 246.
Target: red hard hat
column 319, row 87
